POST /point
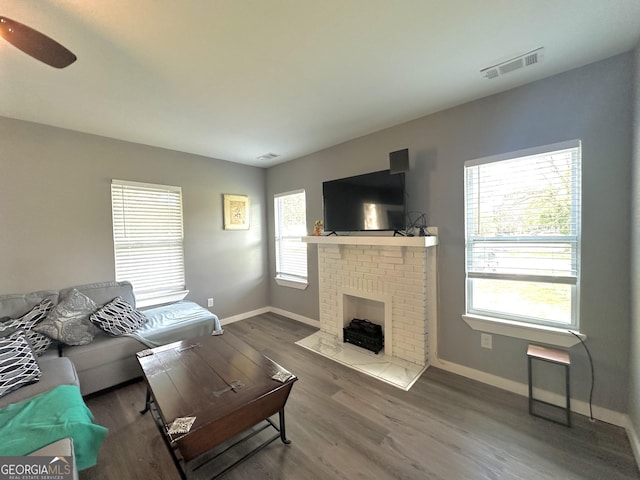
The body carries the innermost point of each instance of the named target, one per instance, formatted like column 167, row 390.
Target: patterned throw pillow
column 118, row 317
column 69, row 322
column 18, row 364
column 27, row 322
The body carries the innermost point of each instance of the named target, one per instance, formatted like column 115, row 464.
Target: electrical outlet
column 486, row 341
column 209, row 302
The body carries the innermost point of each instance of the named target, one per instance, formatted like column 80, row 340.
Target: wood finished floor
column 345, row 425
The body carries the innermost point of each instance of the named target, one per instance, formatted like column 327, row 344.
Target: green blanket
column 43, row 419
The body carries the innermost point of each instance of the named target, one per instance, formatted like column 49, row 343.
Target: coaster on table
column 283, row 376
column 181, row 425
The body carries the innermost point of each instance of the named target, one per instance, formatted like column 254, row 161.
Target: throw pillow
column 27, row 322
column 118, row 317
column 69, row 322
column 18, row 364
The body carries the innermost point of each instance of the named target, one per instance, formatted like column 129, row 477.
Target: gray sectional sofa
column 105, row 362
column 110, row 360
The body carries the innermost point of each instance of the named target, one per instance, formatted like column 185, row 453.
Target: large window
column 148, row 240
column 290, row 225
column 522, row 214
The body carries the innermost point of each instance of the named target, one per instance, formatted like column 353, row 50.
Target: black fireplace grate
column 365, row 334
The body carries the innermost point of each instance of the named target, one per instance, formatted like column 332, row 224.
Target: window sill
column 161, row 299
column 535, row 333
column 292, row 283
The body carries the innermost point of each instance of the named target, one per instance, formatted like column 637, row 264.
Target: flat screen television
column 369, row 202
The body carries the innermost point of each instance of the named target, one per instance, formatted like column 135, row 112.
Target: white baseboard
column 244, row 316
column 634, row 439
column 279, row 311
column 577, row 406
column 295, row 316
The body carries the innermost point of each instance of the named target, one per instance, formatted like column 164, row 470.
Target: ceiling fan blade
column 36, row 44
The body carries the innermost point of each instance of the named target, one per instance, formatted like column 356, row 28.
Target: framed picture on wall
column 236, row 212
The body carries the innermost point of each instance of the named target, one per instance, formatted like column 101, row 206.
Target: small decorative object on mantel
column 236, row 212
column 317, row 228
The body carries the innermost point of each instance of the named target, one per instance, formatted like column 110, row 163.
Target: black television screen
column 372, row 201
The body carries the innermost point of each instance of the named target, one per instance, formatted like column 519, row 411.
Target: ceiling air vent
column 532, row 58
column 521, row 61
column 267, row 156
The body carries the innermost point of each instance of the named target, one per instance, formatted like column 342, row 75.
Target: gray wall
column 634, row 377
column 591, row 104
column 55, row 214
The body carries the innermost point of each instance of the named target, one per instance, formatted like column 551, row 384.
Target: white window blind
column 290, row 227
column 522, row 215
column 148, row 237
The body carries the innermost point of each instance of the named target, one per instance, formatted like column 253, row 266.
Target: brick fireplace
column 387, row 280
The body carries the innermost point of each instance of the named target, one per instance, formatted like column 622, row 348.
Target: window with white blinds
column 522, row 213
column 148, row 238
column 290, row 226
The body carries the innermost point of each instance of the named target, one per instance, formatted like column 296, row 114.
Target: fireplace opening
column 364, row 334
column 366, row 320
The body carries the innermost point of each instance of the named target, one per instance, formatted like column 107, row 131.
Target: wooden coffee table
column 223, row 382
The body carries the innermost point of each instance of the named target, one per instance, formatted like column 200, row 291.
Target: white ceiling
column 235, row 79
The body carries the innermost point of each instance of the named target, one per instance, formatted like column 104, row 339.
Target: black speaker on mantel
column 399, row 161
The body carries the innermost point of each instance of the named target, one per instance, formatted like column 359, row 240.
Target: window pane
column 293, row 260
column 293, row 216
column 525, row 196
column 544, row 301
column 291, row 224
column 148, row 237
column 522, row 213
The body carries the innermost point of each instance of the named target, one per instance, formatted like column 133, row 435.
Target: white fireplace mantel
column 428, row 241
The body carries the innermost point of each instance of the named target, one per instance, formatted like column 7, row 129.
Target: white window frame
column 521, row 325
column 293, row 278
column 148, row 239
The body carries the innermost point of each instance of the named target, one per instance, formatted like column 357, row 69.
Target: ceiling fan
column 36, row 44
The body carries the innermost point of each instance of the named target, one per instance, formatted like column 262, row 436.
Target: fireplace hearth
column 365, row 334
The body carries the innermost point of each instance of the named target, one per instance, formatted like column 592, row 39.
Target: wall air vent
column 516, row 63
